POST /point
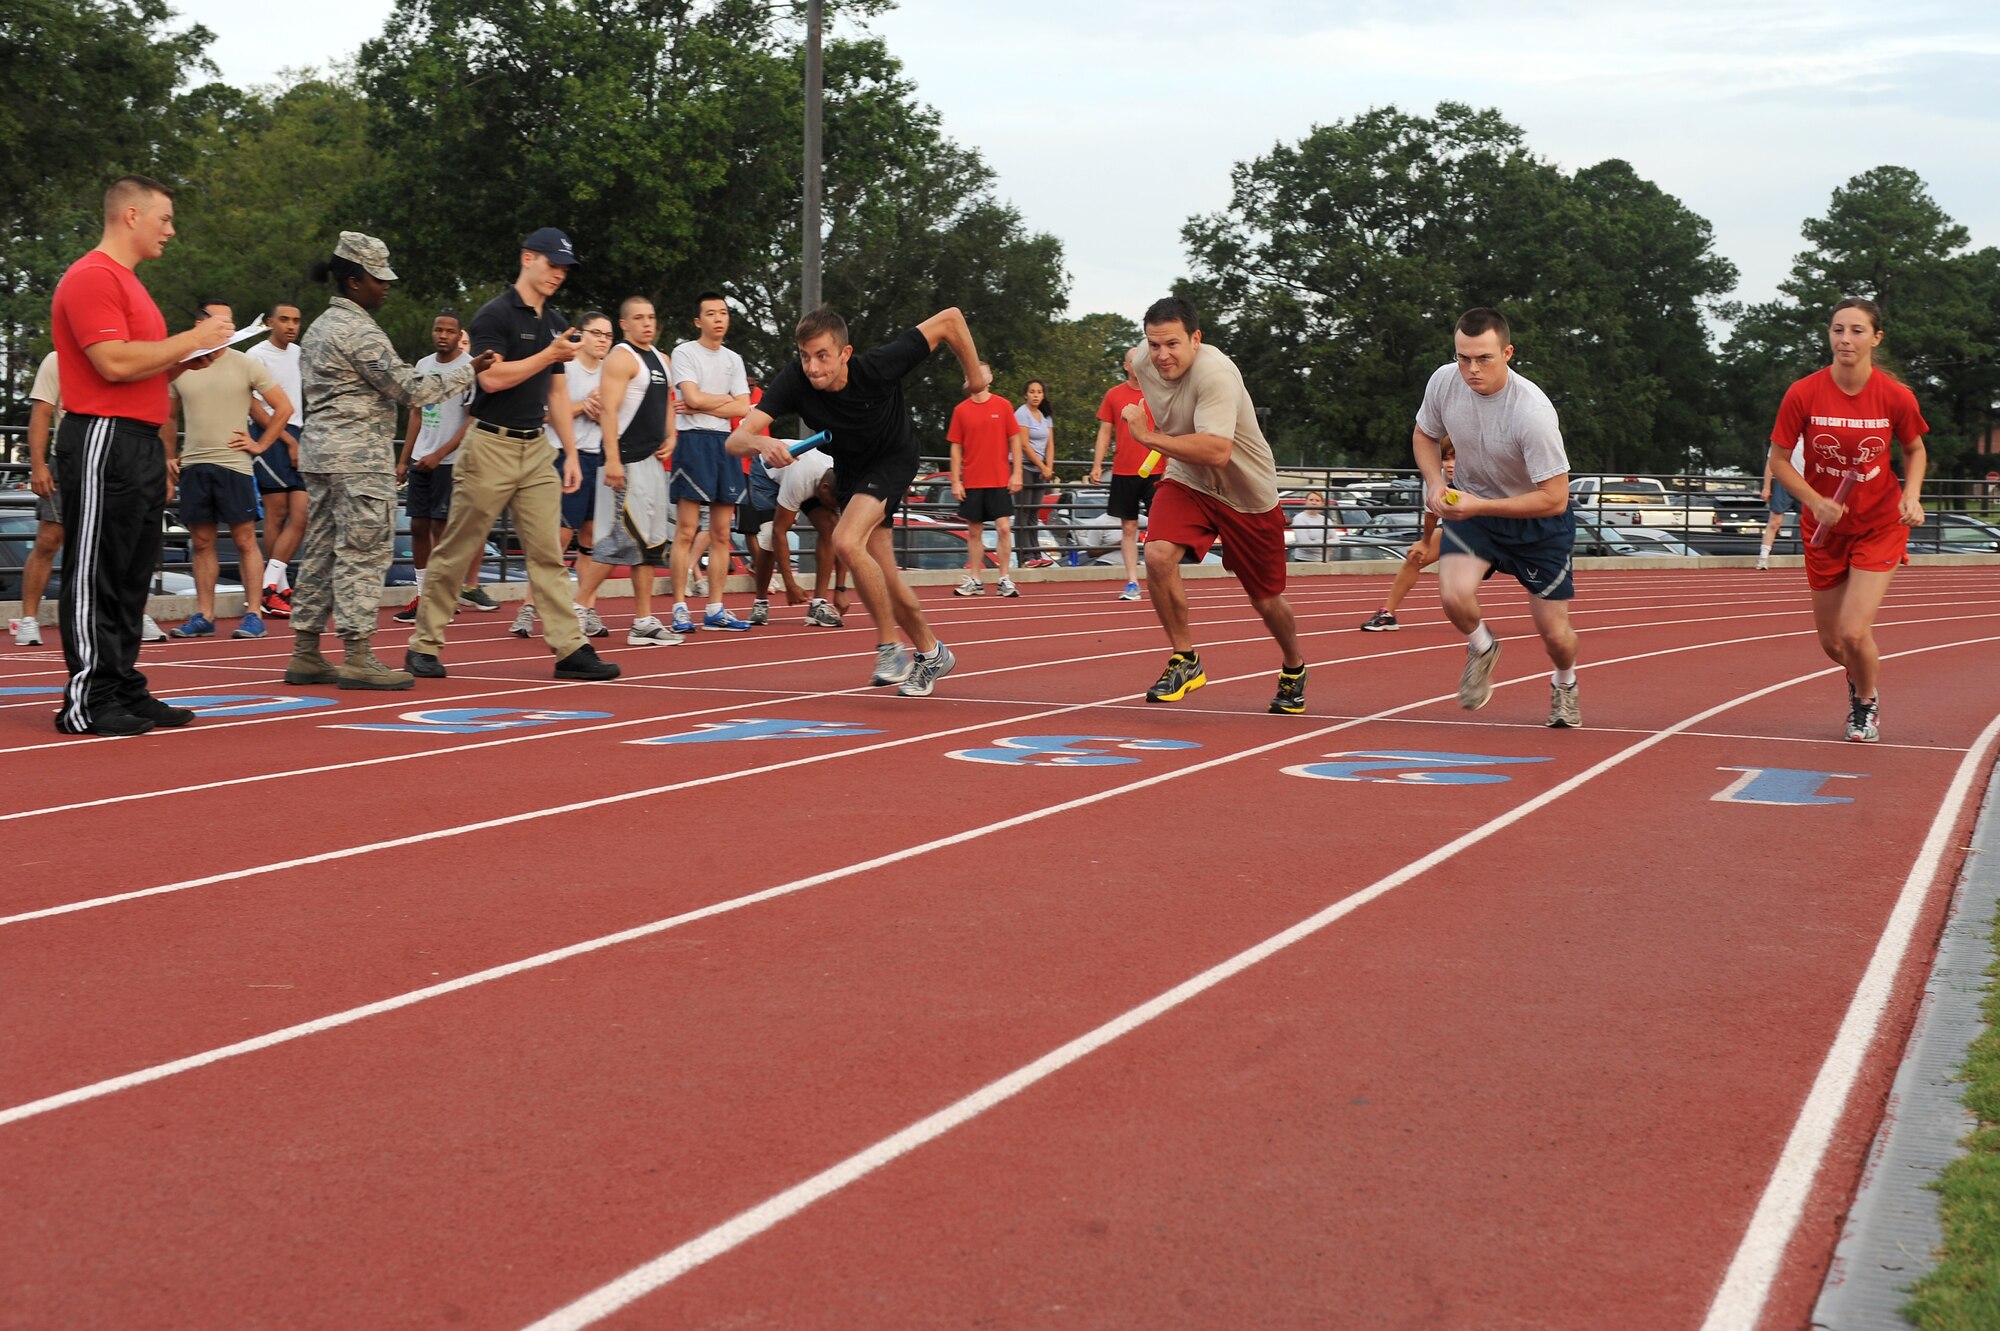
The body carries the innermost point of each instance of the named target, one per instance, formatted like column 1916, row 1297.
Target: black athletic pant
column 112, row 476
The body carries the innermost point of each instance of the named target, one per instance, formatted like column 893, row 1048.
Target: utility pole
column 809, row 286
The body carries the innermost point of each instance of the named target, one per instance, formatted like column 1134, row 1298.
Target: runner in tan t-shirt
column 1221, row 484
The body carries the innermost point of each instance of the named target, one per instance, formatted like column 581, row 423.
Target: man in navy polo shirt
column 504, row 461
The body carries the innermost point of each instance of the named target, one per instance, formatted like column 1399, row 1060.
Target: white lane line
column 609, row 1298
column 1746, row 1286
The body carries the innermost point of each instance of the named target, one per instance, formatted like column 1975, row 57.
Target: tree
column 1077, row 360
column 1336, row 272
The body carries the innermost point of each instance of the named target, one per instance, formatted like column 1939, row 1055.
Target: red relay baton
column 1825, row 529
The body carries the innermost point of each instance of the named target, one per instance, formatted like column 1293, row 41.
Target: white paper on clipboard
column 256, row 329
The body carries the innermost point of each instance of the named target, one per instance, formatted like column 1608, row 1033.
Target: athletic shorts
column 1535, row 552
column 579, row 506
column 763, row 489
column 428, row 493
column 704, row 473
column 1128, row 495
column 48, row 508
column 749, row 518
column 1877, row 551
column 1253, row 544
column 273, row 468
column 634, row 526
column 1781, row 500
column 886, row 477
column 986, row 504
column 210, row 493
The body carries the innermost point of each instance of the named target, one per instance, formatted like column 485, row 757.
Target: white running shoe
column 1007, row 587
column 970, row 587
column 926, row 671
column 27, row 633
column 650, row 632
column 892, row 664
column 149, row 631
column 524, row 620
column 822, row 615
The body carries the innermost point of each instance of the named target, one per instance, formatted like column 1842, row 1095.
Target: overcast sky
column 1109, row 122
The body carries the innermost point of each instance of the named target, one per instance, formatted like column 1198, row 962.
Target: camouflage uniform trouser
column 350, row 542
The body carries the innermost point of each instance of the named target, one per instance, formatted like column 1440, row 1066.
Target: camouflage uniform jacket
column 353, row 380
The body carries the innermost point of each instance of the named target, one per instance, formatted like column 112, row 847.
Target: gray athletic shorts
column 637, row 526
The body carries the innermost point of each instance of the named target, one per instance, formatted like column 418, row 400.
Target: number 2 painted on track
column 470, row 720
column 1411, row 767
column 1065, row 750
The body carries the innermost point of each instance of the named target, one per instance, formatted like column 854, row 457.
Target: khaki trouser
column 350, row 542
column 494, row 472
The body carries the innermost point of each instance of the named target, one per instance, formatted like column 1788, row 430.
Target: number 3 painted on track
column 1061, row 750
column 1412, row 767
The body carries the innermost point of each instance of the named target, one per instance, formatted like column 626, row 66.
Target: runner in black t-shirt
column 858, row 400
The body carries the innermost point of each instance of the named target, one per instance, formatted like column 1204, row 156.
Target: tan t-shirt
column 1211, row 399
column 215, row 404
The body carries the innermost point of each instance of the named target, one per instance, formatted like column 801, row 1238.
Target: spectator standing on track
column 1221, row 484
column 353, row 382
column 1037, row 416
column 1130, row 492
column 987, row 444
column 1848, row 414
column 425, row 468
column 1779, row 500
column 1416, row 559
column 213, row 473
column 715, row 393
column 806, row 487
column 115, row 362
column 581, row 379
column 633, row 522
column 1507, row 509
column 279, row 485
column 503, row 461
column 859, row 401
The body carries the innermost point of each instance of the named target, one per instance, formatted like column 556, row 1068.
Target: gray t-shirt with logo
column 1507, row 443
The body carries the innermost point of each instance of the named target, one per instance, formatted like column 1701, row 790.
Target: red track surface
column 1541, row 1079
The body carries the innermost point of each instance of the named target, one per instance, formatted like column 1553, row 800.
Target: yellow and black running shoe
column 1181, row 677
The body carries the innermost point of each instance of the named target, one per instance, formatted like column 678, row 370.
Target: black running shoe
column 1182, row 676
column 1291, row 697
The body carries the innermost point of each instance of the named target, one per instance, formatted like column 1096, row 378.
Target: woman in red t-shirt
column 1847, row 415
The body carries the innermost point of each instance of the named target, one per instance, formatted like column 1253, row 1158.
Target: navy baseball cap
column 553, row 242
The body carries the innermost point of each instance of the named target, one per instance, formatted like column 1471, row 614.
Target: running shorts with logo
column 1253, row 544
column 1535, row 552
column 883, row 476
column 986, row 504
column 1877, row 550
column 273, row 467
column 704, row 473
column 215, row 494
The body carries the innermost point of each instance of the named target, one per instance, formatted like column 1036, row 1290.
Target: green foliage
column 1335, row 274
column 1078, row 360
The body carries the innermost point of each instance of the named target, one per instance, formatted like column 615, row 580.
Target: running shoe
column 152, row 709
column 27, row 633
column 970, row 587
column 1182, row 676
column 1131, row 592
column 1291, row 698
column 1007, row 588
column 722, row 619
column 198, row 626
column 760, row 612
column 683, row 623
column 1565, row 713
column 593, row 627
column 892, row 664
column 408, row 614
column 1475, row 682
column 700, row 587
column 822, row 615
column 524, row 621
column 150, row 631
column 477, row 598
column 1380, row 622
column 1040, row 561
column 650, row 632
column 277, row 602
column 1763, row 564
column 251, row 627
column 926, row 671
column 1861, row 722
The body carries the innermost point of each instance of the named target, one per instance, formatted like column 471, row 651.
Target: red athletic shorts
column 1875, row 551
column 1253, row 544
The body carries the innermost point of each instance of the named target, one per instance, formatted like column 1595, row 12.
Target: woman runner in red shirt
column 1847, row 415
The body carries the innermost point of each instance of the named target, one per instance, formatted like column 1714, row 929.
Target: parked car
column 1597, row 537
column 1638, row 501
column 1954, row 533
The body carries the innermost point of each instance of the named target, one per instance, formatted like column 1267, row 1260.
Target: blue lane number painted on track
column 30, row 690
column 1782, row 785
column 721, row 732
column 470, row 720
column 1410, row 767
column 249, row 704
column 1066, row 750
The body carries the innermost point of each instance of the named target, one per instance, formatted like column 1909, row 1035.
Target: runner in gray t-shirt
column 1507, row 510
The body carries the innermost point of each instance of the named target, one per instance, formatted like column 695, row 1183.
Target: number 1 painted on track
column 1412, row 767
column 1782, row 785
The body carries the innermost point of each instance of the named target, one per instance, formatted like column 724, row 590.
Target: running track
column 909, row 1016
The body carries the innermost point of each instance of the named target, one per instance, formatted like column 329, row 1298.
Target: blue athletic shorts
column 704, row 473
column 578, row 508
column 214, row 494
column 429, row 493
column 1535, row 552
column 1781, row 500
column 273, row 468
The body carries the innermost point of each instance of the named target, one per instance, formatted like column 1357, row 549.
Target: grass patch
column 1963, row 1292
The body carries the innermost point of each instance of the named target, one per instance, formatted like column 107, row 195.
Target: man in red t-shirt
column 1129, row 490
column 987, row 443
column 115, row 361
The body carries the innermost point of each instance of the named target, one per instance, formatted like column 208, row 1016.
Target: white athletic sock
column 1763, row 552
column 1565, row 676
column 1481, row 638
column 274, row 574
column 715, row 607
column 420, row 582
